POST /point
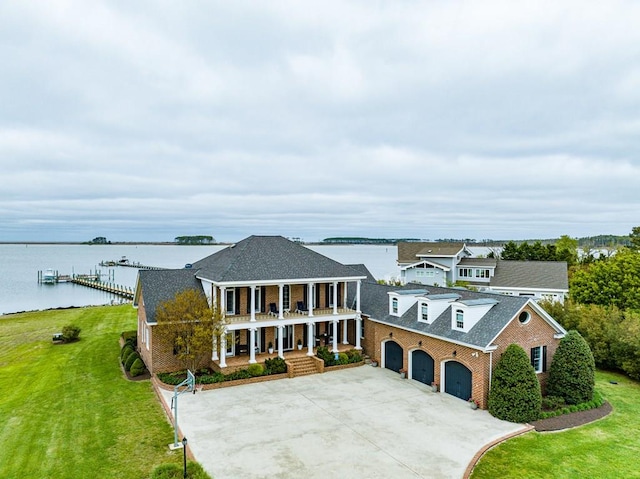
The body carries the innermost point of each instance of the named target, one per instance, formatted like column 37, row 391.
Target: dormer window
column 394, row 305
column 424, row 312
column 459, row 319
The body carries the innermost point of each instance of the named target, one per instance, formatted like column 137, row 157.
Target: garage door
column 392, row 356
column 457, row 381
column 421, row 367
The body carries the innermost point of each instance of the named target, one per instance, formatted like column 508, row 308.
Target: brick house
column 454, row 337
column 271, row 291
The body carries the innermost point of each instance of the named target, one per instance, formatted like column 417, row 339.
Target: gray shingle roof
column 531, row 274
column 267, row 258
column 408, row 251
column 375, row 304
column 162, row 285
column 488, row 262
column 362, row 270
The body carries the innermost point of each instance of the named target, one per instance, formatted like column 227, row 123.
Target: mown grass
column 66, row 411
column 608, row 448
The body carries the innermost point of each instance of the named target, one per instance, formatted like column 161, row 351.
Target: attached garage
column 422, row 367
column 392, row 356
column 457, row 380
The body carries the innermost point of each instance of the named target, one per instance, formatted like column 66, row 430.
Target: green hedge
column 130, row 360
column 137, row 368
column 572, row 371
column 515, row 390
column 175, row 471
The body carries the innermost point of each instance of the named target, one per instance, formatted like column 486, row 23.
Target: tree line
column 195, row 240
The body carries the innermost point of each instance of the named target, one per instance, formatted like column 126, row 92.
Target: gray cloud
column 150, row 120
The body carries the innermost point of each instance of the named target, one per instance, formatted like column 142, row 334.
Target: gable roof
column 157, row 286
column 487, row 262
column 531, row 274
column 270, row 258
column 410, row 252
column 362, row 270
column 375, row 304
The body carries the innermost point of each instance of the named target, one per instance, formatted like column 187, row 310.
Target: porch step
column 303, row 366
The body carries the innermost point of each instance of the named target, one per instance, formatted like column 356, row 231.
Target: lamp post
column 184, row 455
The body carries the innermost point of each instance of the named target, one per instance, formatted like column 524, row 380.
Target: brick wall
column 536, row 332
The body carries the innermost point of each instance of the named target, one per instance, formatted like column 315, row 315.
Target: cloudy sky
column 145, row 120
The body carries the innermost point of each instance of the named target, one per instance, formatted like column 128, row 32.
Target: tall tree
column 634, row 238
column 188, row 324
column 567, row 250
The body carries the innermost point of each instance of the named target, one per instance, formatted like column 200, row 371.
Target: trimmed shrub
column 515, row 390
column 137, row 368
column 70, row 333
column 173, row 379
column 255, row 369
column 125, row 352
column 275, row 366
column 130, row 360
column 327, row 356
column 210, row 378
column 343, row 358
column 552, row 402
column 239, row 374
column 572, row 371
column 354, row 356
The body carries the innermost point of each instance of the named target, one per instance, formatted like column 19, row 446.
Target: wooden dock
column 119, row 290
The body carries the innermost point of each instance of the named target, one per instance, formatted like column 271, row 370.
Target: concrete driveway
column 363, row 422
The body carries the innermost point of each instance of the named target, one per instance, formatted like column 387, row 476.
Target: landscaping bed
column 574, row 419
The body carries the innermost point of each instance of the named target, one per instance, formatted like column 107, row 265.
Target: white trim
column 299, row 320
column 435, row 265
column 282, row 281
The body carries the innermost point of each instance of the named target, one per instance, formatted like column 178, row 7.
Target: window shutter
column 326, row 294
column 531, row 356
column 317, row 289
column 263, row 298
column 544, row 358
column 237, row 301
column 305, row 294
column 339, row 294
column 248, row 288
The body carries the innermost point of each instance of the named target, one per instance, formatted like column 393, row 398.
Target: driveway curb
column 481, row 452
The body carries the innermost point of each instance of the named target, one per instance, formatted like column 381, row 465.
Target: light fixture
column 420, row 343
column 184, row 455
column 391, row 334
column 454, row 353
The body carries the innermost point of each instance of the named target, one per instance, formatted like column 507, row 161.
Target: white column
column 358, row 330
column 214, row 352
column 345, row 332
column 335, row 297
column 280, row 301
column 335, row 337
column 223, row 300
column 310, row 339
column 280, row 330
column 214, row 300
column 223, row 349
column 310, row 298
column 344, row 296
column 358, row 297
column 252, row 345
column 253, row 303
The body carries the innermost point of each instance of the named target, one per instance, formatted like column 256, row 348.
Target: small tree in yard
column 515, row 390
column 572, row 371
column 70, row 333
column 187, row 323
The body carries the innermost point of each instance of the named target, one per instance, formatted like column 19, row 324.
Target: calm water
column 19, row 266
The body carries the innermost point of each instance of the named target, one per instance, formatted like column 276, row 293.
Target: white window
column 394, row 305
column 539, row 358
column 482, row 273
column 424, row 312
column 459, row 319
column 231, row 343
column 465, row 272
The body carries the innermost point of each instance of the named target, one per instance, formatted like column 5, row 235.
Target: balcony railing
column 320, row 312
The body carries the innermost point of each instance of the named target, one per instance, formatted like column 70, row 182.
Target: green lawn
column 66, row 411
column 608, row 448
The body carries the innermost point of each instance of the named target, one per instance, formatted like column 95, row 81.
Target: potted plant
column 473, row 403
column 270, row 347
column 299, row 343
column 403, row 373
column 434, row 387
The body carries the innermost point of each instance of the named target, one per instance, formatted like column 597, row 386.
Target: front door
column 287, row 337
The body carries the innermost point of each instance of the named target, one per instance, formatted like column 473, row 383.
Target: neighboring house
column 270, row 290
column 441, row 264
column 453, row 336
